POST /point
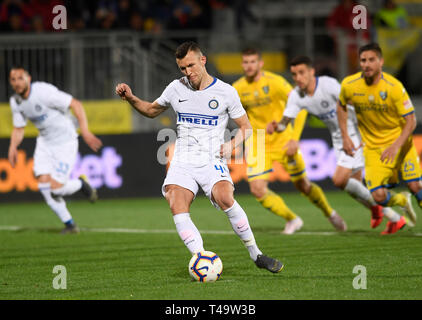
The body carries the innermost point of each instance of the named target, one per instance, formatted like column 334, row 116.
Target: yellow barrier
column 230, row 63
column 104, row 117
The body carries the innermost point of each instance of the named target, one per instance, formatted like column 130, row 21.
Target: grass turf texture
column 152, row 264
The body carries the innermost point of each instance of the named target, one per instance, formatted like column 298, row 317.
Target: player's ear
column 203, row 60
column 261, row 63
column 381, row 62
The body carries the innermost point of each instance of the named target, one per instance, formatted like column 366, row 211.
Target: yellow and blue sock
column 418, row 196
column 276, row 205
column 317, row 197
column 393, row 199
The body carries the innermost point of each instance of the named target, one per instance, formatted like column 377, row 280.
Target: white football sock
column 58, row 205
column 358, row 191
column 188, row 232
column 241, row 227
column 391, row 215
column 70, row 187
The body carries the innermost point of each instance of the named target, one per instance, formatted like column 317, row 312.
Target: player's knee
column 179, row 200
column 339, row 181
column 303, row 185
column 414, row 186
column 45, row 178
column 171, row 198
column 379, row 196
column 258, row 191
column 225, row 201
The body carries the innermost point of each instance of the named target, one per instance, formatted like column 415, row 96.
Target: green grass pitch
column 129, row 249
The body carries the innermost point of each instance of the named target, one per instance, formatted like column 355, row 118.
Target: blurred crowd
column 139, row 15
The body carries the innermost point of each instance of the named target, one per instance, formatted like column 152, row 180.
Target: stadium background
column 111, row 41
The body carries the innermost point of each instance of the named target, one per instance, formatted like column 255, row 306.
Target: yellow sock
column 317, row 197
column 276, row 205
column 396, row 199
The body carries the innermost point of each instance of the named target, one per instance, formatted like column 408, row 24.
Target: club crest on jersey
column 38, row 108
column 266, row 89
column 324, row 104
column 383, row 95
column 213, row 104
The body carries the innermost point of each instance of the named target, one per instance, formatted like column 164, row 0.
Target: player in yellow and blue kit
column 264, row 94
column 386, row 120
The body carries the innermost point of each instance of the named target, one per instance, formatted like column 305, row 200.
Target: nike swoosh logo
column 183, row 100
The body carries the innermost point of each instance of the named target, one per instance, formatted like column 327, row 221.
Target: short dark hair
column 251, row 51
column 301, row 60
column 185, row 47
column 373, row 46
column 18, row 67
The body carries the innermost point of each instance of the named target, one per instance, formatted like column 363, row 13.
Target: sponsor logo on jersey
column 40, row 118
column 328, row 115
column 213, row 104
column 407, row 104
column 195, row 118
column 358, row 94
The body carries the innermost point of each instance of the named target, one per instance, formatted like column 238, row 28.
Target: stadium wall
column 127, row 166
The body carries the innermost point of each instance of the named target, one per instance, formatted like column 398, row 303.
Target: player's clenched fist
column 124, row 91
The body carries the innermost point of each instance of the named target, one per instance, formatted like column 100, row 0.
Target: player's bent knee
column 45, row 178
column 178, row 199
column 258, row 191
column 414, row 186
column 225, row 201
column 339, row 182
column 303, row 185
column 379, row 196
column 222, row 194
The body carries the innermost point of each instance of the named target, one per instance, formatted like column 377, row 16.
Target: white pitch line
column 223, row 232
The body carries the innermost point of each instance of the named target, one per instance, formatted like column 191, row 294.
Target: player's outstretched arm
column 147, row 109
column 15, row 140
column 91, row 140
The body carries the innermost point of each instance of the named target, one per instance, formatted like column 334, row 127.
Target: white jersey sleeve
column 332, row 86
column 53, row 97
column 19, row 120
column 235, row 109
column 167, row 95
column 293, row 106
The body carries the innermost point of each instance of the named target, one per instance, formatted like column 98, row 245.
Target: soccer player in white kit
column 57, row 143
column 319, row 96
column 203, row 105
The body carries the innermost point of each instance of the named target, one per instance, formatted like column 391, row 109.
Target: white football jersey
column 323, row 104
column 48, row 109
column 202, row 117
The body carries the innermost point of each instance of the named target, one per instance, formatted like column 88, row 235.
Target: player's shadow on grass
column 38, row 229
column 406, row 232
